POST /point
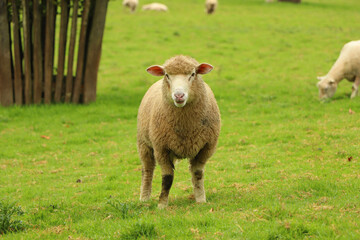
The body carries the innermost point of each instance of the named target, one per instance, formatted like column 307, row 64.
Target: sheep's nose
column 179, row 95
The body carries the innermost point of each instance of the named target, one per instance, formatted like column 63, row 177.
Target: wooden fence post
column 81, row 53
column 27, row 51
column 27, row 74
column 94, row 50
column 49, row 50
column 62, row 49
column 18, row 84
column 38, row 53
column 6, row 86
column 69, row 77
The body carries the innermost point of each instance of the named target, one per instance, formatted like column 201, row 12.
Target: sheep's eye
column 167, row 76
column 192, row 75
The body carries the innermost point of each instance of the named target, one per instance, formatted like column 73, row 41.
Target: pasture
column 287, row 166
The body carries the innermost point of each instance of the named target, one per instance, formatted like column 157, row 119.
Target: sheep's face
column 327, row 87
column 179, row 85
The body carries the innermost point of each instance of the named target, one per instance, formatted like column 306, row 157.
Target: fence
column 33, row 69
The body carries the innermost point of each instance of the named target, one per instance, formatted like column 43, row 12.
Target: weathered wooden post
column 18, row 85
column 94, row 51
column 29, row 74
column 6, row 86
column 38, row 53
column 69, row 77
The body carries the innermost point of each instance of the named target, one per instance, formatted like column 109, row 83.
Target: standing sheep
column 132, row 4
column 155, row 7
column 211, row 6
column 178, row 118
column 346, row 66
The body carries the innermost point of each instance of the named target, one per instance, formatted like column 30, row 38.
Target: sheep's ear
column 156, row 70
column 204, row 68
column 320, row 78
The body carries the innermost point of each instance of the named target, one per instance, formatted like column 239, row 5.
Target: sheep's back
column 349, row 60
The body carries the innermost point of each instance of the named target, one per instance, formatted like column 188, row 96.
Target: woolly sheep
column 155, row 7
column 132, row 4
column 211, row 6
column 178, row 118
column 346, row 66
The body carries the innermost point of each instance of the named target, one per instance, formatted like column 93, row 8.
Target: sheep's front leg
column 197, row 166
column 148, row 165
column 165, row 161
column 355, row 87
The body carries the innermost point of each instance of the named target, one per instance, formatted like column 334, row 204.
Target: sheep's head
column 327, row 87
column 180, row 73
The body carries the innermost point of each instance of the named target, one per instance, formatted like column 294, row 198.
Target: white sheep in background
column 346, row 66
column 178, row 118
column 211, row 6
column 132, row 4
column 155, row 7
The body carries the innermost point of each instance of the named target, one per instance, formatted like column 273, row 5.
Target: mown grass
column 287, row 165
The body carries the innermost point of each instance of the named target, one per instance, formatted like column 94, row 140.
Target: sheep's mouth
column 179, row 101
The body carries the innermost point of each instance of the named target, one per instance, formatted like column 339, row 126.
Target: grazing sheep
column 132, row 4
column 178, row 118
column 346, row 66
column 155, row 7
column 211, row 6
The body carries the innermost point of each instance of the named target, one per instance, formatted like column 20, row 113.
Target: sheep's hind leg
column 197, row 166
column 167, row 170
column 147, row 171
column 355, row 87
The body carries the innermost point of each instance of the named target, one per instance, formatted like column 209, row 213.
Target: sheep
column 211, row 6
column 178, row 118
column 155, row 7
column 132, row 4
column 346, row 66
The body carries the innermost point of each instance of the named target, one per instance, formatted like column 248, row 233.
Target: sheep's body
column 167, row 132
column 155, row 7
column 346, row 66
column 132, row 4
column 211, row 6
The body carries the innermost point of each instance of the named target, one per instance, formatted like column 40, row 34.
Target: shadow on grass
column 341, row 96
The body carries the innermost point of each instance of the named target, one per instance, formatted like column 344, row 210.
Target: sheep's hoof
column 144, row 199
column 162, row 205
column 201, row 200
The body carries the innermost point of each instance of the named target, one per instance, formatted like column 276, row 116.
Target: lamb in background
column 211, row 6
column 178, row 118
column 132, row 4
column 155, row 7
column 346, row 66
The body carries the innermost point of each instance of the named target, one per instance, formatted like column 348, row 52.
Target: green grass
column 287, row 166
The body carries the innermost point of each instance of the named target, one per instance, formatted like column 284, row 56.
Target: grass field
column 287, row 166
